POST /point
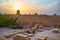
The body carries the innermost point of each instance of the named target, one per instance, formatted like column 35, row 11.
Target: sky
column 30, row 6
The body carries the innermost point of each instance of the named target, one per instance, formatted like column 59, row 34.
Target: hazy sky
column 30, row 6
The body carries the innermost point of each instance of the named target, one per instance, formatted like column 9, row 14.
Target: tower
column 18, row 12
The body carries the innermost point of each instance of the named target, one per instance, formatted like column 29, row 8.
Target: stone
column 55, row 30
column 40, row 26
column 42, row 38
column 27, row 31
column 33, row 30
column 29, row 38
column 29, row 35
column 2, row 38
column 20, row 37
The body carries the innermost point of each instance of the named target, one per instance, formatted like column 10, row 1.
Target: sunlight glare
column 17, row 7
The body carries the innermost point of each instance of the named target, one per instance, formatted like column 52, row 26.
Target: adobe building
column 18, row 12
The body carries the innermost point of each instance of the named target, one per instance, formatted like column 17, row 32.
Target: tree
column 54, row 14
column 36, row 14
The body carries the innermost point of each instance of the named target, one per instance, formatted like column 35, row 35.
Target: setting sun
column 17, row 7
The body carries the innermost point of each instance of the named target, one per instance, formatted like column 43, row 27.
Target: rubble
column 20, row 37
column 2, row 38
column 42, row 38
column 55, row 30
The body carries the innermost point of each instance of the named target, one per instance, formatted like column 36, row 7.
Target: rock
column 27, row 31
column 2, row 38
column 55, row 30
column 33, row 30
column 23, row 31
column 40, row 26
column 42, row 38
column 20, row 37
column 29, row 38
column 10, row 38
column 29, row 35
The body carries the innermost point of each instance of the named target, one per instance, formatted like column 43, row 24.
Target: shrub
column 7, row 21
